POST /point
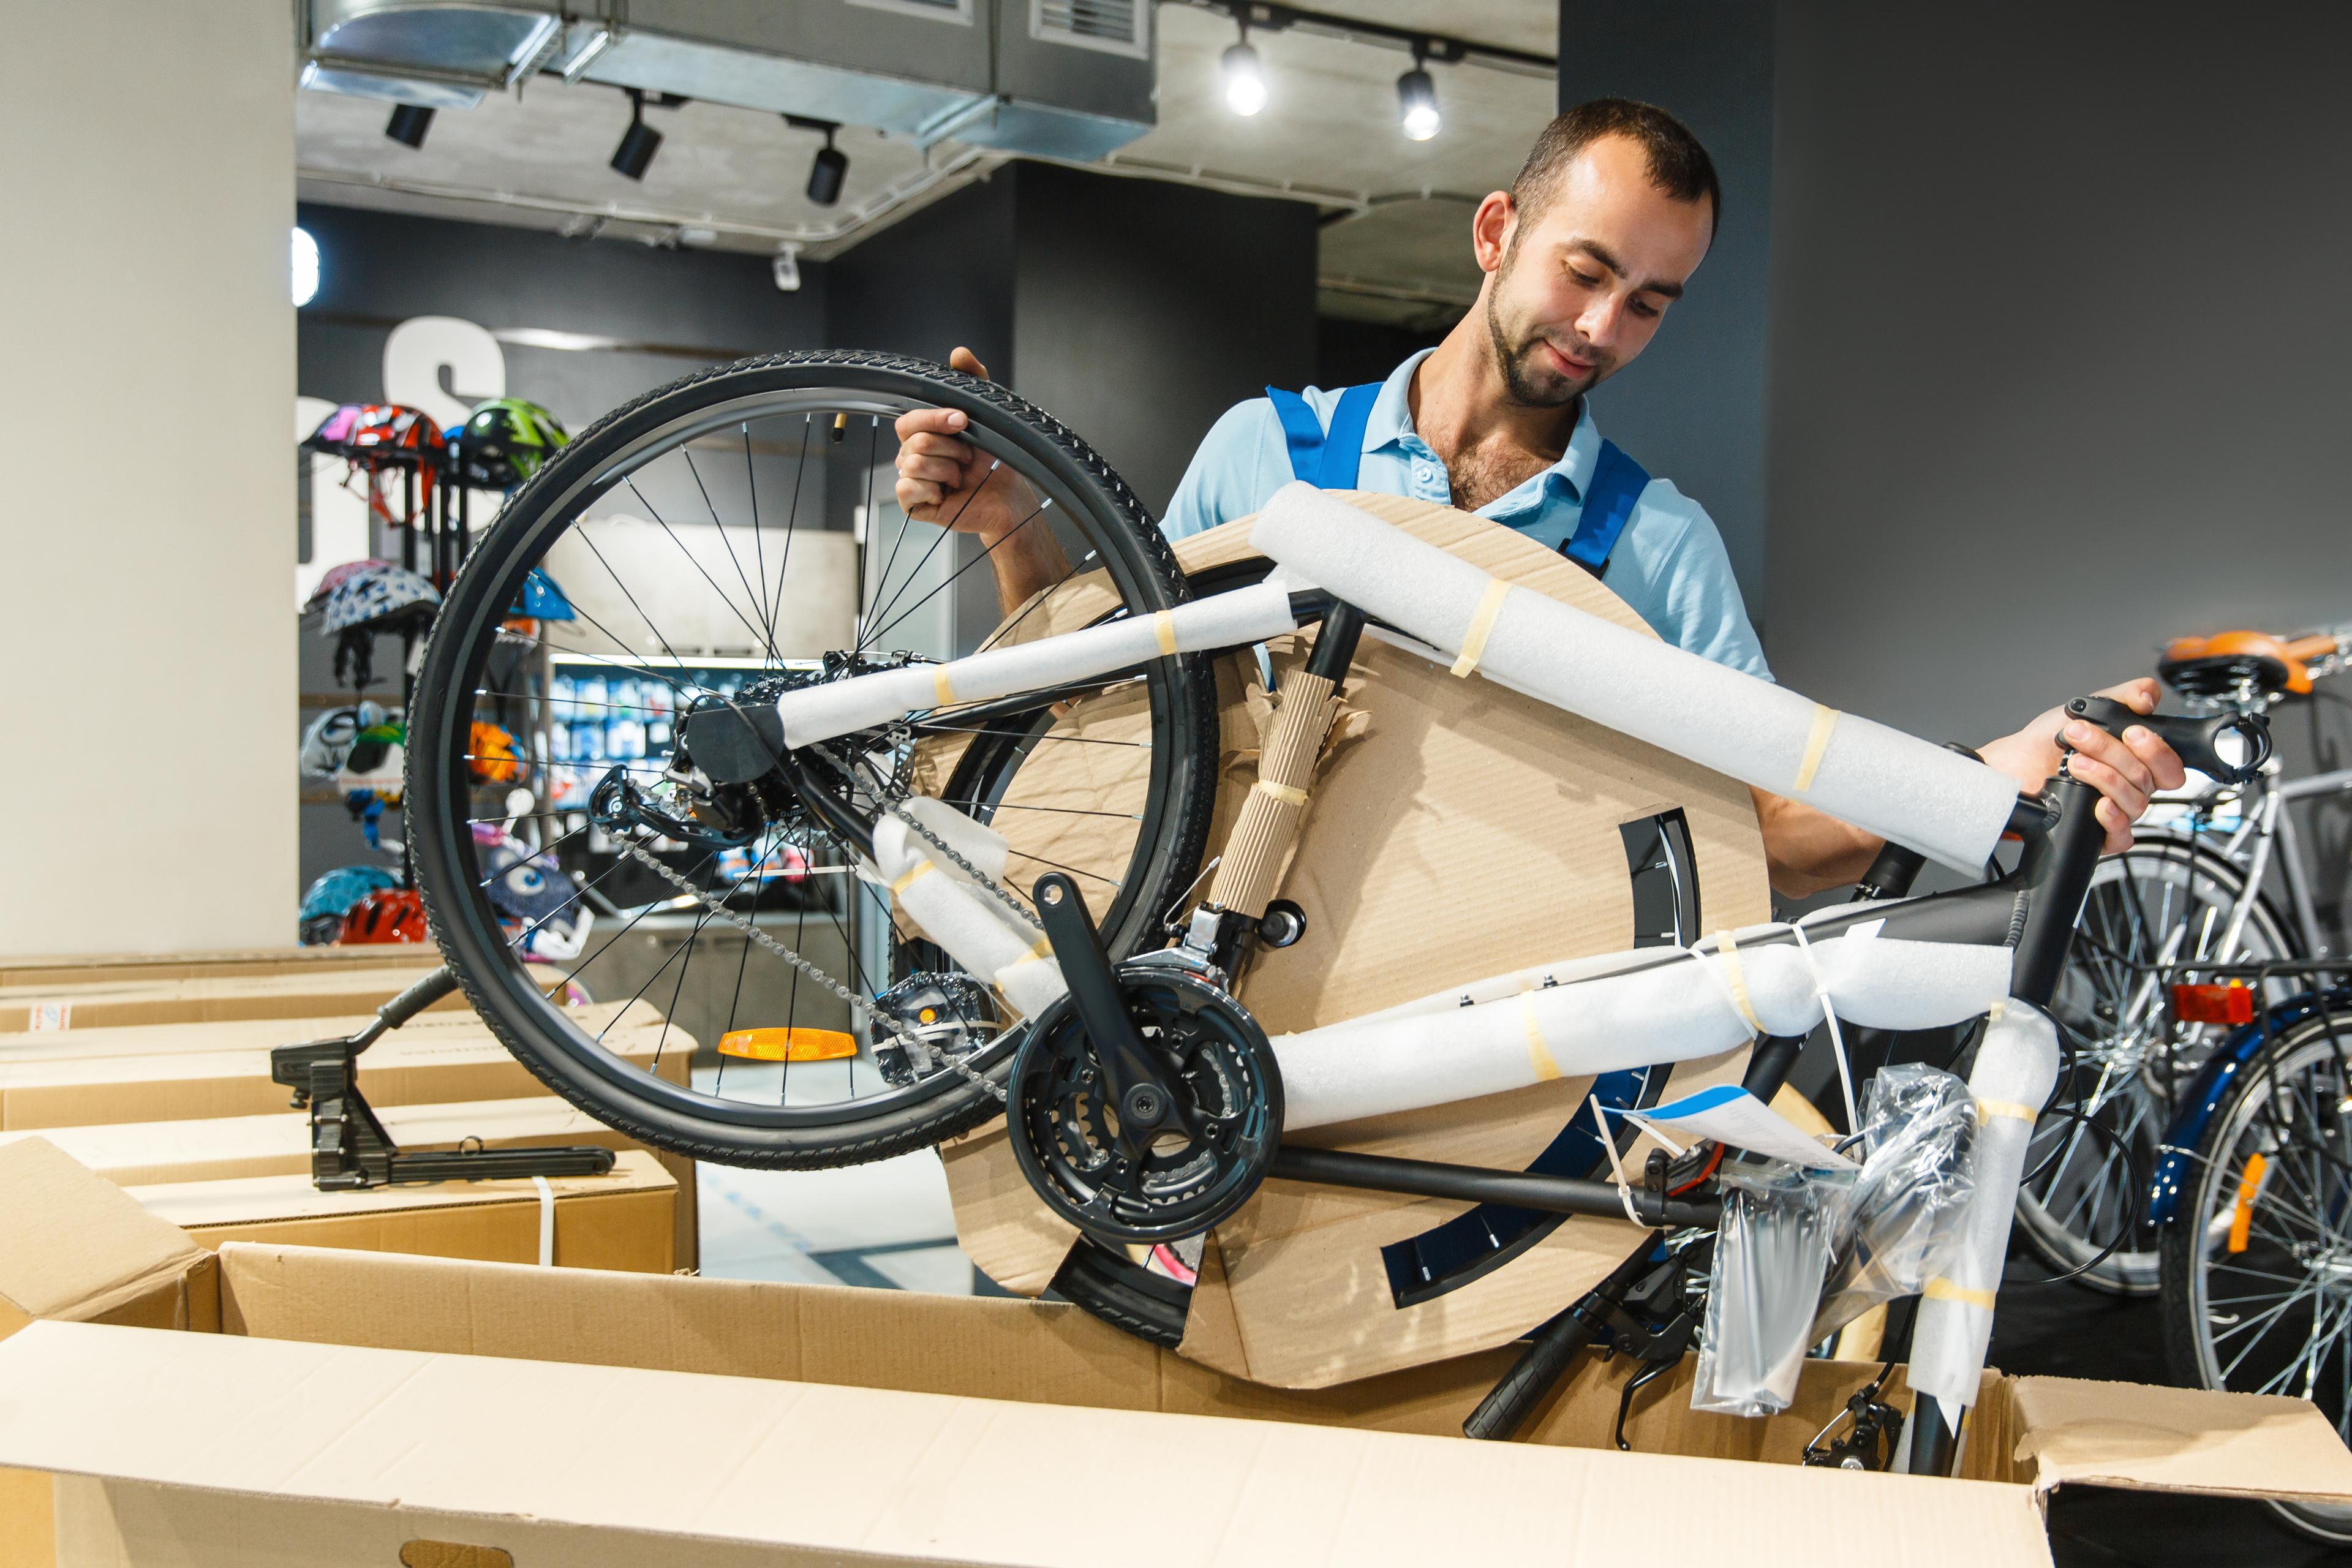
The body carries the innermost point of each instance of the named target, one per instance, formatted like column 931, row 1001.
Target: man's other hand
column 944, row 479
column 2125, row 769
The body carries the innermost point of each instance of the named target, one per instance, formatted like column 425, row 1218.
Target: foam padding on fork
column 1256, row 851
column 815, row 713
column 1943, row 805
column 2017, row 1067
column 1407, row 1060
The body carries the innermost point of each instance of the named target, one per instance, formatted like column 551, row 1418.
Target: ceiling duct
column 1059, row 79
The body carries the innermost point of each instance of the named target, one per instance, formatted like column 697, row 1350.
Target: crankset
column 1145, row 1106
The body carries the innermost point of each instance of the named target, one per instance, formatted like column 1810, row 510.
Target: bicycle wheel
column 2257, row 1265
column 2160, row 901
column 730, row 536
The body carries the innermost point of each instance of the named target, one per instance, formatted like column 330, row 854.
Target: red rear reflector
column 2231, row 1004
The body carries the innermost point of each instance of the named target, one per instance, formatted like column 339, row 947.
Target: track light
column 638, row 143
column 408, row 124
column 831, row 165
column 1417, row 103
column 1244, row 78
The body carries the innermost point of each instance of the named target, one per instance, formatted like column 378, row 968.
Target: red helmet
column 394, row 914
column 389, row 435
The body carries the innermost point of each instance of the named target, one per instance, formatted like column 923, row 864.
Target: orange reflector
column 2250, row 1187
column 2231, row 1004
column 788, row 1044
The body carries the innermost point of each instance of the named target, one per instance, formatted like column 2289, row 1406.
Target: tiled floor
column 887, row 1225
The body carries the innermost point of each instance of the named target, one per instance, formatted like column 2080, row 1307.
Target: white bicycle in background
column 2201, row 885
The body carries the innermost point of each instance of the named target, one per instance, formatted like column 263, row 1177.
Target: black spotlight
column 640, row 143
column 408, row 124
column 832, row 163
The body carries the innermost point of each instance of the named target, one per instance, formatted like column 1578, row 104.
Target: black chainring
column 1201, row 1166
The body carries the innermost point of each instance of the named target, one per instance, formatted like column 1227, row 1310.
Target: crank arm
column 1137, row 1091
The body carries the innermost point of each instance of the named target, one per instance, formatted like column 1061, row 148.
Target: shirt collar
column 1390, row 424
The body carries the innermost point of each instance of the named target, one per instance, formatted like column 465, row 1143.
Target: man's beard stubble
column 1516, row 362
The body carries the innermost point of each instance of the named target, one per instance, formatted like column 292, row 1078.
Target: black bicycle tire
column 467, row 935
column 2229, row 876
column 2178, row 1250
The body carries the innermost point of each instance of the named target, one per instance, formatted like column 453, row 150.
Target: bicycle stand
column 350, row 1150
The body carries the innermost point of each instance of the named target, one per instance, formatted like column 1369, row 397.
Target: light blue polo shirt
column 1669, row 565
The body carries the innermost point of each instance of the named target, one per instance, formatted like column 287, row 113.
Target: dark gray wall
column 2059, row 340
column 1692, row 407
column 1144, row 310
column 940, row 277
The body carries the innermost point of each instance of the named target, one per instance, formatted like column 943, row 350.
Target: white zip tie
column 1616, row 1166
column 1837, row 1037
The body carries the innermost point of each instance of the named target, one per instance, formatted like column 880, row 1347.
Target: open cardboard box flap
column 80, row 1249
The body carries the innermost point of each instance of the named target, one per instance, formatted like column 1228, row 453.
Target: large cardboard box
column 1460, row 830
column 83, row 969
column 359, row 1408
column 206, row 996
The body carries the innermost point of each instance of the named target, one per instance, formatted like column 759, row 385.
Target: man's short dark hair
column 1678, row 165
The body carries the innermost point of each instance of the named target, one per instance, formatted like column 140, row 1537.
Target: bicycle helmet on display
column 336, row 576
column 333, row 435
column 394, row 914
column 504, row 441
column 327, row 743
column 530, row 889
column 328, row 899
column 542, row 600
column 382, row 598
column 393, row 435
column 490, row 755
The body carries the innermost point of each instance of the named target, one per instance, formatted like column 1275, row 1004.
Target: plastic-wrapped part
column 1771, row 1251
column 1904, row 1220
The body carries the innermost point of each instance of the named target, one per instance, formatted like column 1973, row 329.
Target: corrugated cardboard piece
column 83, row 969
column 206, row 997
column 227, row 1442
column 1464, row 832
column 624, row 1219
column 75, row 1250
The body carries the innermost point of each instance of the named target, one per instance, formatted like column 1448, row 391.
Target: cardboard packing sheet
column 1457, row 830
column 205, row 997
column 357, row 1407
column 85, row 968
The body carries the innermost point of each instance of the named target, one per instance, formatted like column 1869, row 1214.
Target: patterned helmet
column 396, row 914
column 526, row 887
column 392, row 434
column 379, row 596
column 331, row 896
column 505, row 441
column 490, row 755
column 333, row 435
column 327, row 743
column 335, row 577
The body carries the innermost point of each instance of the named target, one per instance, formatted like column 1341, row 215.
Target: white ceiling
column 1396, row 248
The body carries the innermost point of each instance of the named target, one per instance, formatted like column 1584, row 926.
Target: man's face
column 1579, row 287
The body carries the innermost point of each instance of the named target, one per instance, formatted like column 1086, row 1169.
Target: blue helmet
column 542, row 600
column 324, row 905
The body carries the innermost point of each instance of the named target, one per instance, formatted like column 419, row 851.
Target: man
column 1596, row 237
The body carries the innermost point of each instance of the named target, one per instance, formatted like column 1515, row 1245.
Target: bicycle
column 2195, row 887
column 1144, row 1103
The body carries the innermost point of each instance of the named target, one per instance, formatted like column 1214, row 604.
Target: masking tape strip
column 1825, row 721
column 1281, row 792
column 546, row 1222
column 1163, row 626
column 1039, row 951
column 1482, row 627
column 1736, row 982
column 1942, row 1289
column 921, row 869
column 1538, row 1054
column 1989, row 1109
column 943, row 689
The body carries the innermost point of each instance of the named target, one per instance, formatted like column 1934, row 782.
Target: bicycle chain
column 858, row 1006
column 889, row 796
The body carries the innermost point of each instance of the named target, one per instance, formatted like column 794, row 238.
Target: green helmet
column 504, row 441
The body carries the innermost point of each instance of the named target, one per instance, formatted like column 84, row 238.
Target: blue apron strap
column 1617, row 484
column 1328, row 461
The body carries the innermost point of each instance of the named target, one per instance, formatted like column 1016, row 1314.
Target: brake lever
column 2195, row 741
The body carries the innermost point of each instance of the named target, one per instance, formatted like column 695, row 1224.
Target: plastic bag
column 1912, row 1195
column 1771, row 1251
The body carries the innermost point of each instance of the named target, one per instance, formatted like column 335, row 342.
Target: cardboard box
column 1465, row 831
column 624, row 1219
column 356, row 1407
column 205, row 997
column 83, row 969
column 144, row 1153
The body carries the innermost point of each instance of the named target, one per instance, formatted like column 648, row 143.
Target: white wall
column 147, row 796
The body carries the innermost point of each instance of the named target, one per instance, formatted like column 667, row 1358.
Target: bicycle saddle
column 2221, row 664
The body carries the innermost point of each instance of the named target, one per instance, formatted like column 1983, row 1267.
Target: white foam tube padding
column 1675, row 1011
column 1939, row 803
column 2017, row 1067
column 976, row 931
column 986, row 848
column 1222, row 620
